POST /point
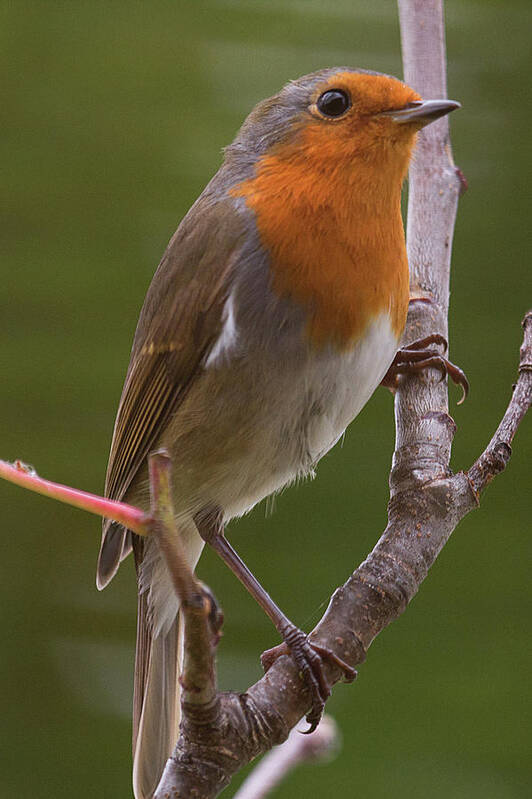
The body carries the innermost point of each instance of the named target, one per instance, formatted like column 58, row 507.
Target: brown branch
column 497, row 454
column 202, row 617
column 162, row 521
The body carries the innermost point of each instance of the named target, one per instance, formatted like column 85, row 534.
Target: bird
column 277, row 309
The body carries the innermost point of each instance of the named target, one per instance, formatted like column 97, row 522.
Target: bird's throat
column 336, row 244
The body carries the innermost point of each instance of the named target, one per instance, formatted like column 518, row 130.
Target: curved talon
column 309, row 659
column 459, row 378
column 417, row 356
column 423, row 343
column 310, row 666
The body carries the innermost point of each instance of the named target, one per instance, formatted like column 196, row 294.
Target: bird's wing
column 181, row 319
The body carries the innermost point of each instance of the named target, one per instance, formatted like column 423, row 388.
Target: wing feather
column 179, row 323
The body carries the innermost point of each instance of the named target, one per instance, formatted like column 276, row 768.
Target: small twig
column 322, row 744
column 162, row 523
column 497, row 454
column 202, row 617
column 25, row 476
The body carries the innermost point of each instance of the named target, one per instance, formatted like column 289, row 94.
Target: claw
column 309, row 659
column 419, row 355
column 423, row 343
column 310, row 668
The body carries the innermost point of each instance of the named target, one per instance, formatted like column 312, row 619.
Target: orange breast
column 335, row 237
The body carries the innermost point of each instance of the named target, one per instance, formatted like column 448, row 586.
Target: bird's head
column 321, row 165
column 337, row 117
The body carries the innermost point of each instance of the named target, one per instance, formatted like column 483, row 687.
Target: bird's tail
column 158, row 658
column 155, row 702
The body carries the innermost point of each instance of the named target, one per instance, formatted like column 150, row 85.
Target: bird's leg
column 421, row 354
column 308, row 657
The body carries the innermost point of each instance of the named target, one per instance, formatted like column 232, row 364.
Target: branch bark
column 498, row 452
column 201, row 614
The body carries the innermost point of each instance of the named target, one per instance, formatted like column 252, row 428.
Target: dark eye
column 333, row 103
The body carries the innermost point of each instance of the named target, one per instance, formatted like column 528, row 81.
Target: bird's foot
column 309, row 659
column 421, row 354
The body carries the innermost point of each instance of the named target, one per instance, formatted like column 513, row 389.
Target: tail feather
column 156, row 701
column 142, row 662
column 114, row 548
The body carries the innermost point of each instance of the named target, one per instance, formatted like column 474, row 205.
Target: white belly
column 304, row 413
column 344, row 383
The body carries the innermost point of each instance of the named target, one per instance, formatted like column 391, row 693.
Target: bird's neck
column 336, row 243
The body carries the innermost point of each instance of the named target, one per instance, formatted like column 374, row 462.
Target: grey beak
column 423, row 112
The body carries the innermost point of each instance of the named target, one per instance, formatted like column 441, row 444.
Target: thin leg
column 308, row 657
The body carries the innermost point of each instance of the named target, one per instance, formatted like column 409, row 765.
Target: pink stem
column 131, row 517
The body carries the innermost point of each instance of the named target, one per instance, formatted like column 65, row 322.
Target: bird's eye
column 333, row 103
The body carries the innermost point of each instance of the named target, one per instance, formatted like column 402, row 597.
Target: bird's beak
column 422, row 113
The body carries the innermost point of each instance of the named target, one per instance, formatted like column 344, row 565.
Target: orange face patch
column 327, row 207
column 370, row 94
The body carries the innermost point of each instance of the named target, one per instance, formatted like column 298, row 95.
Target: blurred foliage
column 114, row 115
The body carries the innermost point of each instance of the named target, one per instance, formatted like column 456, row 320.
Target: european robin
column 275, row 312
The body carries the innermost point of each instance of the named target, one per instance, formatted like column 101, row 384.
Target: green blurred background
column 114, row 115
